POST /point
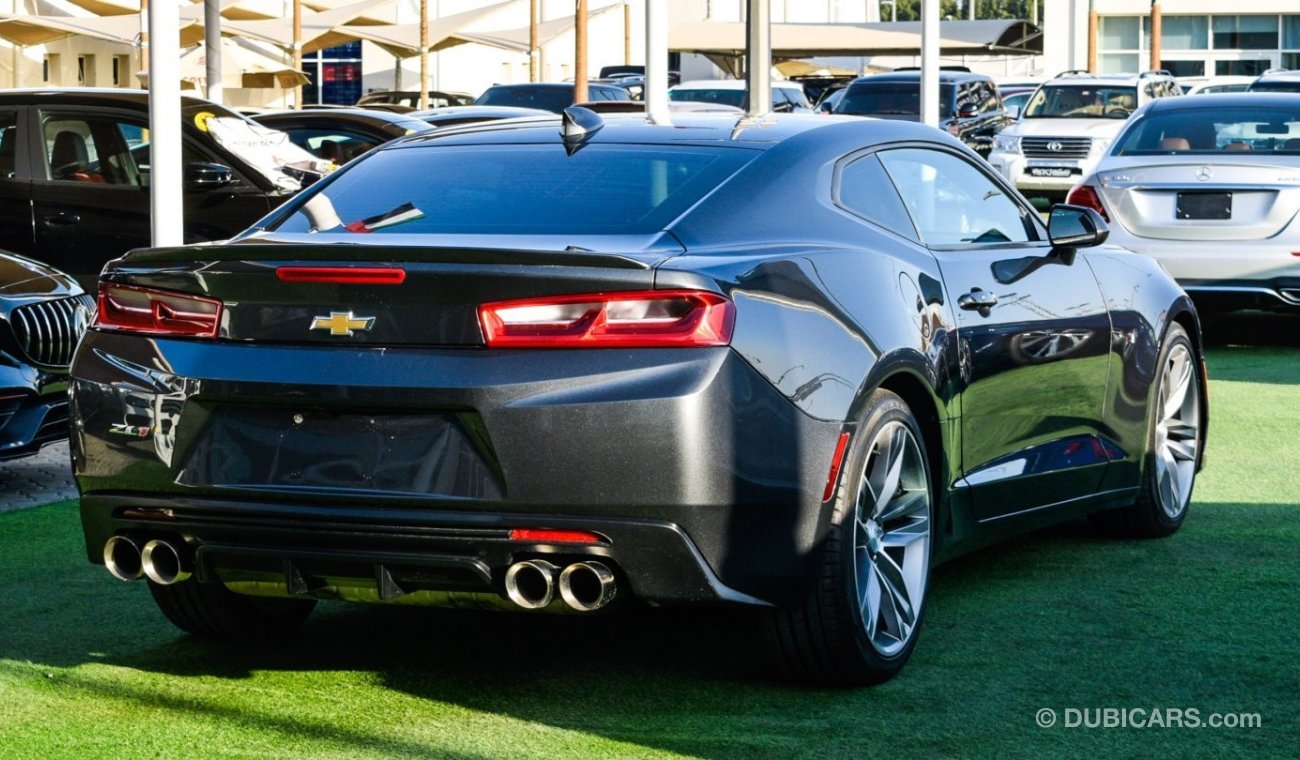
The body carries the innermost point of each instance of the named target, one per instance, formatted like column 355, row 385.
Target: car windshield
column 1213, row 130
column 891, row 99
column 1081, row 102
column 516, row 189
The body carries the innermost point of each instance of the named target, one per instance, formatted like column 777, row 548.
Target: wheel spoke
column 906, row 505
column 893, row 475
column 891, row 577
column 1180, row 377
column 869, row 598
column 907, row 535
column 1184, row 450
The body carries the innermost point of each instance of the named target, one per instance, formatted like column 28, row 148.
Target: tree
column 910, row 10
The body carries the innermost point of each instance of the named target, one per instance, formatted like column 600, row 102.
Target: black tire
column 212, row 611
column 826, row 639
column 1158, row 510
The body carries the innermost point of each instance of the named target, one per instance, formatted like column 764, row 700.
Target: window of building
column 1245, row 32
column 121, row 71
column 1184, row 32
column 335, row 75
column 52, row 72
column 86, row 70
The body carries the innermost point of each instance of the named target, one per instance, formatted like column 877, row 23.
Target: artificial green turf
column 1059, row 619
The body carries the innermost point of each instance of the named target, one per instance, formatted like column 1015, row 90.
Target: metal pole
column 212, row 47
column 758, row 56
column 580, row 53
column 972, row 8
column 656, row 62
column 424, row 54
column 930, row 62
column 166, row 198
column 534, row 72
column 297, row 50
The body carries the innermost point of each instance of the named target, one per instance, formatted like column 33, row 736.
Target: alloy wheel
column 1177, row 435
column 891, row 538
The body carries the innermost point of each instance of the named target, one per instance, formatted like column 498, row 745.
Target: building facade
column 1199, row 38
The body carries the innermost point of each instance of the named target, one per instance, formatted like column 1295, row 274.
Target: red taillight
column 156, row 312
column 1086, row 195
column 533, row 536
column 837, row 461
column 343, row 275
column 653, row 318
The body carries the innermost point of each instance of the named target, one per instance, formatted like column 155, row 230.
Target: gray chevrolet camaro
column 785, row 364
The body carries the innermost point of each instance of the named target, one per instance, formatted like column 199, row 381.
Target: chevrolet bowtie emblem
column 343, row 323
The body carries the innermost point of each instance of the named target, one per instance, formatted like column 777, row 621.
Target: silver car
column 1210, row 187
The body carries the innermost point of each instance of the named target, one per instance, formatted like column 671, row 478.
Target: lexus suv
column 1067, row 126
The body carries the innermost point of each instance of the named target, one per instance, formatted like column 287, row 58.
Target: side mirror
column 826, row 107
column 1076, row 227
column 784, row 107
column 968, row 111
column 201, row 176
column 1013, row 111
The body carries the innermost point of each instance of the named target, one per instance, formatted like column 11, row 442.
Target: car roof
column 87, row 95
column 947, row 77
column 1226, row 101
column 1070, row 78
column 729, row 84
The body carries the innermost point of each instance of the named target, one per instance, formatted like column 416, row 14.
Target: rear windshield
column 727, row 97
column 554, row 99
column 1081, row 102
column 891, row 99
column 1213, row 130
column 516, row 189
column 1275, row 85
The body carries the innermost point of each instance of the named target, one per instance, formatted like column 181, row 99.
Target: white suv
column 1067, row 126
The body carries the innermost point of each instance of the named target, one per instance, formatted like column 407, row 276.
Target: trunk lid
column 1203, row 199
column 446, row 278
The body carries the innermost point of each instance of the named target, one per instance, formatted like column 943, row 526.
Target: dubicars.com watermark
column 1143, row 717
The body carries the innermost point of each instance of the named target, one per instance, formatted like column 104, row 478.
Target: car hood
column 21, row 277
column 1097, row 129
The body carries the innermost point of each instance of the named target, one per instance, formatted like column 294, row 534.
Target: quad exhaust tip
column 122, row 559
column 162, row 563
column 531, row 583
column 587, row 586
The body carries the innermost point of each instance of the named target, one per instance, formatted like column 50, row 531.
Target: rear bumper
column 1226, row 275
column 703, row 479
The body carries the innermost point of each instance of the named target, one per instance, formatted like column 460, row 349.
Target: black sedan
column 786, row 364
column 42, row 315
column 339, row 135
column 74, row 175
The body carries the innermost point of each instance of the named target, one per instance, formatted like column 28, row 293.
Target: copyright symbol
column 1045, row 717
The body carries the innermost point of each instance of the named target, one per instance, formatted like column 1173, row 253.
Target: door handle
column 62, row 218
column 977, row 300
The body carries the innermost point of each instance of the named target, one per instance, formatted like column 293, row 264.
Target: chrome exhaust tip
column 122, row 559
column 531, row 583
column 162, row 563
column 587, row 586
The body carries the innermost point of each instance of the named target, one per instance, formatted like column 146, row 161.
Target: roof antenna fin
column 577, row 125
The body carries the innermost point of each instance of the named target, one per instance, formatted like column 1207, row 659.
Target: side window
column 952, row 202
column 339, row 146
column 867, row 191
column 967, row 95
column 8, row 143
column 990, row 97
column 94, row 150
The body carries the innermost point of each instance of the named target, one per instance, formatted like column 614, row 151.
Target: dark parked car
column 339, row 135
column 42, row 315
column 74, row 176
column 555, row 367
column 969, row 106
column 547, row 96
column 402, row 101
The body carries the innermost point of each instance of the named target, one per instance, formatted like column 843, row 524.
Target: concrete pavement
column 37, row 480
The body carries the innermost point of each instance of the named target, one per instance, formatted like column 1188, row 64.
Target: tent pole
column 758, row 56
column 166, row 199
column 424, row 54
column 297, row 50
column 930, row 62
column 656, row 62
column 534, row 55
column 212, row 47
column 580, row 53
